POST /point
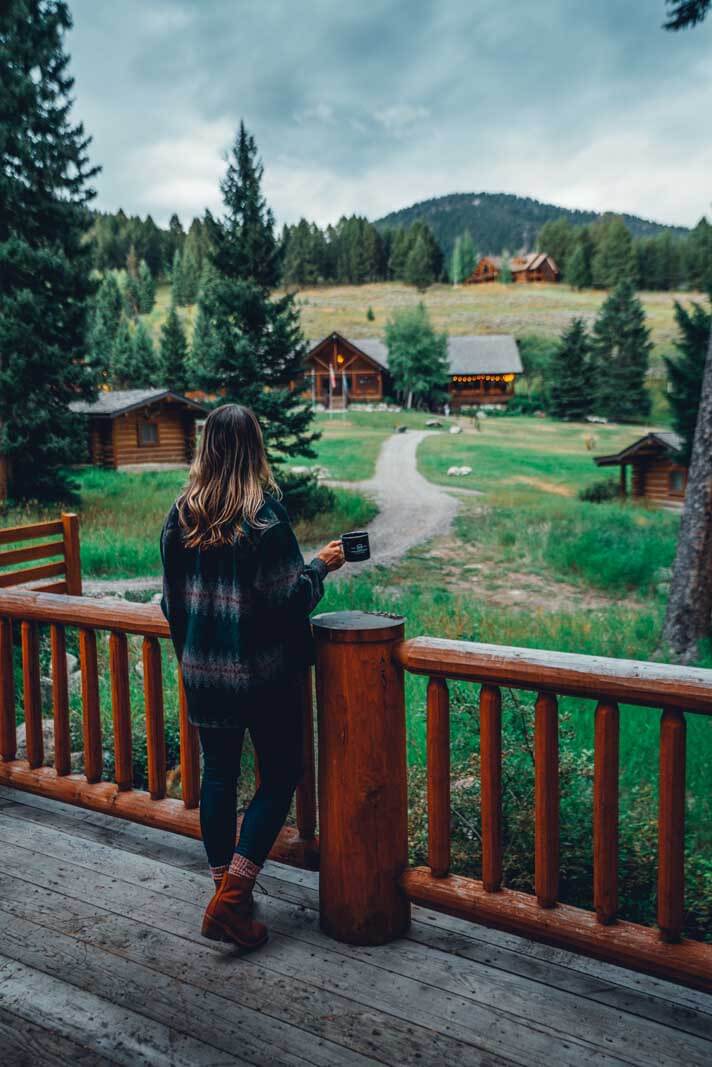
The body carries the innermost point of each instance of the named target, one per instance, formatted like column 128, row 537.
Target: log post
column 363, row 792
column 72, row 553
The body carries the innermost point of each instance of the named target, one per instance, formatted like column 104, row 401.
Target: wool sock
column 243, row 867
column 216, row 873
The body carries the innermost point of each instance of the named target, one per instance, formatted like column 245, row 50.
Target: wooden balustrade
column 92, row 619
column 366, row 886
column 608, row 682
column 57, row 538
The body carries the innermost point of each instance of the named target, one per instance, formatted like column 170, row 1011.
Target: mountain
column 501, row 220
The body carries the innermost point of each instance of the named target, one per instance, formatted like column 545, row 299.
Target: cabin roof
column 662, row 442
column 115, row 402
column 474, row 354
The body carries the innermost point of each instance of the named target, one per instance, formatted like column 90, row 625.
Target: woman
column 237, row 595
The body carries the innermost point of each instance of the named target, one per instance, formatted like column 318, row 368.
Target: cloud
column 367, row 108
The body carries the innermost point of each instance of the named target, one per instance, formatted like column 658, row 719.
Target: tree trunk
column 409, row 404
column 690, row 604
column 4, row 478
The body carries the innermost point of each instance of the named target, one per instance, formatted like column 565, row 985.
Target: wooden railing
column 350, row 645
column 366, row 885
column 56, row 538
column 22, row 614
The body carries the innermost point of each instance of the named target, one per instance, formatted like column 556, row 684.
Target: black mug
column 356, row 546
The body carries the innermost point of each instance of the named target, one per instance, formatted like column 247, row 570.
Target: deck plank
column 550, row 965
column 244, row 1032
column 26, row 1043
column 451, row 995
column 115, row 1034
column 483, row 993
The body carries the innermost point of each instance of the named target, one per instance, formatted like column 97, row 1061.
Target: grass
column 493, row 308
column 121, row 516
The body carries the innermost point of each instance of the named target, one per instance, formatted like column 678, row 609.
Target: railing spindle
column 546, row 800
column 438, row 777
column 33, row 693
column 306, row 790
column 491, row 786
column 155, row 732
column 91, row 712
column 605, row 811
column 121, row 710
column 189, row 752
column 60, row 700
column 671, row 825
column 8, row 727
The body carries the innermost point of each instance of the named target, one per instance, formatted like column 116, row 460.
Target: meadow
column 527, row 564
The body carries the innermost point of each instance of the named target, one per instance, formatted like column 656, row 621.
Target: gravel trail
column 411, row 510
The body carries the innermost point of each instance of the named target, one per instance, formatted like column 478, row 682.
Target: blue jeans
column 276, row 731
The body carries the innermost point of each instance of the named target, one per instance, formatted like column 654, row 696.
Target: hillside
column 500, row 220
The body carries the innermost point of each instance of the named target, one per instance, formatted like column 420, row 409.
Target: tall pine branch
column 252, row 349
column 44, row 262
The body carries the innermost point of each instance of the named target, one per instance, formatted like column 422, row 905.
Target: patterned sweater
column 238, row 614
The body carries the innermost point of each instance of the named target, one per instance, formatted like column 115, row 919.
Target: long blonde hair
column 227, row 480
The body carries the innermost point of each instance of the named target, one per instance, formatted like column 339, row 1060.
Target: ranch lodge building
column 339, row 371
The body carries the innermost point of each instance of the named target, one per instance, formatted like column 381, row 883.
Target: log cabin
column 137, row 426
column 483, row 370
column 658, row 476
column 533, row 267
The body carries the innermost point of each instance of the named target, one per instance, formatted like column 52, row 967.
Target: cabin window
column 147, row 433
column 677, row 482
column 367, row 383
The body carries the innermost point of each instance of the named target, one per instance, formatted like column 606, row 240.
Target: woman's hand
column 332, row 555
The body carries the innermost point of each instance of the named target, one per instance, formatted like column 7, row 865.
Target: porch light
column 339, row 358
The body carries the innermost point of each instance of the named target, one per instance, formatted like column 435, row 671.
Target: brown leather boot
column 227, row 916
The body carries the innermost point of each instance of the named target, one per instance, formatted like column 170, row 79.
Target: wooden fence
column 27, row 611
column 366, row 884
column 360, row 665
column 56, row 541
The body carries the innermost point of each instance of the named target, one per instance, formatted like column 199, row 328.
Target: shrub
column 601, row 491
column 304, row 497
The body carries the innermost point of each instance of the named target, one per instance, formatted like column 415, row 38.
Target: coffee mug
column 356, row 546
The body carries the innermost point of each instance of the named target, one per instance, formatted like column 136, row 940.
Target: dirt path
column 411, row 510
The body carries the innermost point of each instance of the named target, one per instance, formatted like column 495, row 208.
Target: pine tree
column 190, row 276
column 686, row 370
column 45, row 262
column 174, row 353
column 576, row 271
column 104, row 322
column 132, row 296
column 457, row 270
column 505, row 270
column 417, row 356
column 418, row 266
column 146, row 288
column 255, row 347
column 123, row 365
column 177, row 286
column 613, row 260
column 145, row 368
column 569, row 374
column 621, row 353
column 468, row 254
column 199, row 355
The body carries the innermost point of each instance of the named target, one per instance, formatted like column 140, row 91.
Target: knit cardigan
column 238, row 613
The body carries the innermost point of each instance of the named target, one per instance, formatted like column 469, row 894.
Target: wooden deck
column 101, row 962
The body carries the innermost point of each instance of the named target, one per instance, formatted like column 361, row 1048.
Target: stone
column 47, row 740
column 456, row 429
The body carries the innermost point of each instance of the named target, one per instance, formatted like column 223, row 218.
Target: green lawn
column 121, row 516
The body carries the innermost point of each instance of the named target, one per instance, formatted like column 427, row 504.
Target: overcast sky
column 369, row 106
